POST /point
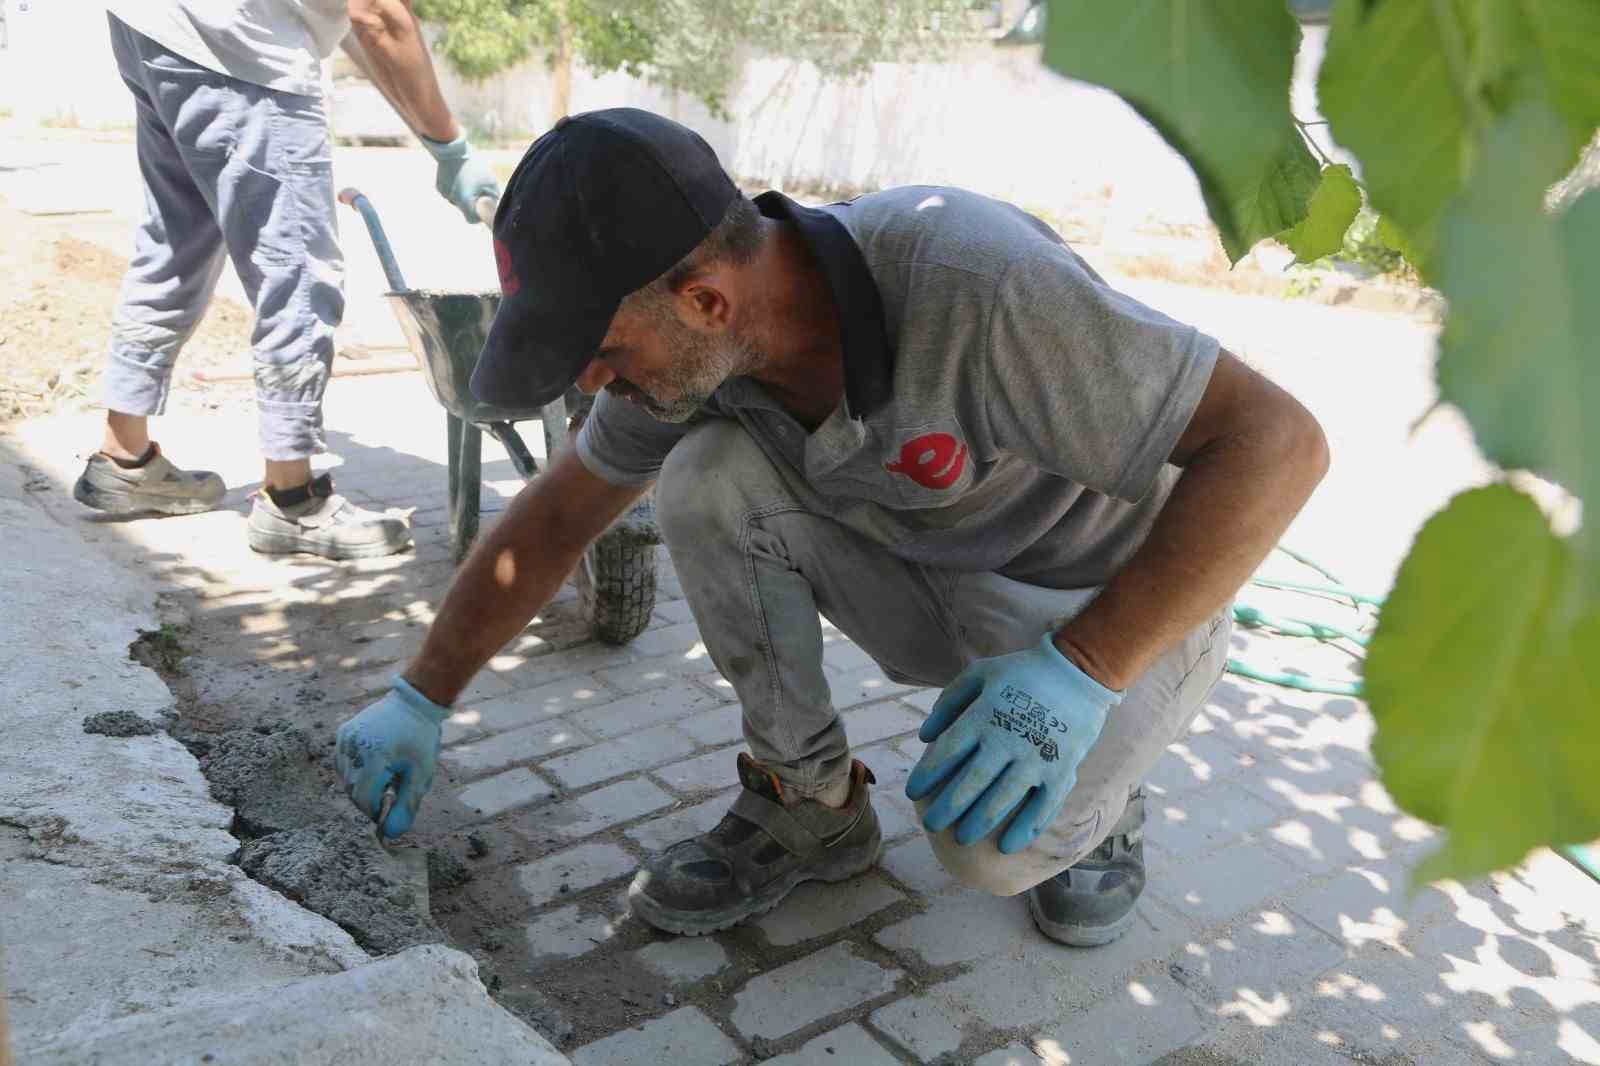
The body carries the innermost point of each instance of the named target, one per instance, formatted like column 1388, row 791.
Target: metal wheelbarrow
column 446, row 330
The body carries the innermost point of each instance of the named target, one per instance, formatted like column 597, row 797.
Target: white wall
column 989, row 119
column 56, row 65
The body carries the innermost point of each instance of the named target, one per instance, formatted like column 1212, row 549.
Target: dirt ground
column 57, row 294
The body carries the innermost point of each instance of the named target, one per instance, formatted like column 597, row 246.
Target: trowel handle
column 353, row 197
column 485, row 206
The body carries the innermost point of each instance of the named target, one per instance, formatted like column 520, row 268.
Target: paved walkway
column 1277, row 928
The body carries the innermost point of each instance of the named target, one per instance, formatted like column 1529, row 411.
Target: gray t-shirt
column 1005, row 408
column 276, row 43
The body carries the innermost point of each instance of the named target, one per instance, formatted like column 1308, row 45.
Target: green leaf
column 1517, row 354
column 1413, row 86
column 1391, row 236
column 1392, row 96
column 1334, row 206
column 1548, row 48
column 1213, row 79
column 1485, row 683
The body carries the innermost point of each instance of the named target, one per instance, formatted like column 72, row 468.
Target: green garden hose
column 1584, row 857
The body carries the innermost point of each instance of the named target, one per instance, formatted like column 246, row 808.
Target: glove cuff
column 1090, row 688
column 447, row 151
column 418, row 702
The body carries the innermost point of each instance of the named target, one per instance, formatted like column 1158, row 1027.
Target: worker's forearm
column 1229, row 507
column 511, row 573
column 397, row 60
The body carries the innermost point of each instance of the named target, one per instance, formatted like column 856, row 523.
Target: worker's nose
column 595, row 377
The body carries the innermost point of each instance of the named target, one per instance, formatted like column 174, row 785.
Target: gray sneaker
column 326, row 524
column 157, row 487
column 1091, row 903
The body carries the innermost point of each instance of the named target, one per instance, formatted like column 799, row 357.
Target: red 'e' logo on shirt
column 509, row 282
column 933, row 460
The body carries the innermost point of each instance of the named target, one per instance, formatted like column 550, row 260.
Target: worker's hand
column 393, row 742
column 463, row 176
column 1008, row 732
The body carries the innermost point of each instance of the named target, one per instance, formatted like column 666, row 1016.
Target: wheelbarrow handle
column 353, row 197
column 485, row 206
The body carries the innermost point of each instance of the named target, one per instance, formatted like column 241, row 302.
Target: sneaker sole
column 1079, row 936
column 114, row 502
column 288, row 544
column 699, row 923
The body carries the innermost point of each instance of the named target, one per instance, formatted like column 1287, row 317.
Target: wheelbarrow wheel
column 617, row 586
column 616, row 581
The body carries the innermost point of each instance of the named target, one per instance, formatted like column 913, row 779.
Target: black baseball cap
column 600, row 206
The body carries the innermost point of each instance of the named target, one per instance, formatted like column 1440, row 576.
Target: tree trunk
column 561, row 83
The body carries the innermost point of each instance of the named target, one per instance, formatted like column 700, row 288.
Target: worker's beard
column 700, row 365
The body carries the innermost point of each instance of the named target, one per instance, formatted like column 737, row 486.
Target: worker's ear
column 702, row 303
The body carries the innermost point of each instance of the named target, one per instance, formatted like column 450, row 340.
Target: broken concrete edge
column 136, row 814
column 424, row 1004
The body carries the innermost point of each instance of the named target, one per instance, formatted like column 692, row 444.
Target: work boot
column 153, row 486
column 756, row 855
column 1091, row 903
column 315, row 520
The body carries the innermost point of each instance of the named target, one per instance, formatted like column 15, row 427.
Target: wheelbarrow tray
column 446, row 331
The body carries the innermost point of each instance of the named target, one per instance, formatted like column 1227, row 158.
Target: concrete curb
column 118, row 907
column 424, row 1004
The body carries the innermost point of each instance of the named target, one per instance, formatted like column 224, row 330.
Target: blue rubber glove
column 393, row 742
column 1008, row 732
column 463, row 177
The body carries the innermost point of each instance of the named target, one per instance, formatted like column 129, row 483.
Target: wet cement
column 268, row 775
column 120, row 724
column 339, row 870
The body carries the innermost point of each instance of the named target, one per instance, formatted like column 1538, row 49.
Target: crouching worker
column 917, row 413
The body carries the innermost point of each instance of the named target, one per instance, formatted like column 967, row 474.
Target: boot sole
column 698, row 923
column 115, row 502
column 288, row 544
column 1079, row 936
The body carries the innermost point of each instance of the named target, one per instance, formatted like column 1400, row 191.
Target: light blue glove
column 463, row 177
column 393, row 742
column 1008, row 732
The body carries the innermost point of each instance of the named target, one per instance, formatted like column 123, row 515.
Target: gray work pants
column 233, row 169
column 757, row 569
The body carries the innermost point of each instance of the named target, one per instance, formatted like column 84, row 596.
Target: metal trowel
column 412, row 859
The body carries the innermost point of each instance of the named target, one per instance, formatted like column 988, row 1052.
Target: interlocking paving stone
column 1012, row 1055
column 962, row 928
column 684, row 959
column 914, row 864
column 603, row 808
column 513, row 788
column 865, row 685
column 566, row 934
column 659, row 672
column 644, row 709
column 818, row 909
column 623, row 755
column 917, row 1025
column 577, row 868
column 658, row 834
column 1141, row 1020
column 715, row 769
column 720, row 725
column 808, row 990
column 868, row 724
column 684, row 1036
column 681, row 638
column 1214, row 888
column 519, row 745
column 1031, row 980
column 1206, row 818
column 532, row 705
column 848, row 1045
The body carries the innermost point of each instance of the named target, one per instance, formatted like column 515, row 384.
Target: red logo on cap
column 509, row 282
column 933, row 460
